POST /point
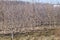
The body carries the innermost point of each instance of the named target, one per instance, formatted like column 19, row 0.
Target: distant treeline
column 20, row 14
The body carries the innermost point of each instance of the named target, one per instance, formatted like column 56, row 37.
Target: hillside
column 21, row 16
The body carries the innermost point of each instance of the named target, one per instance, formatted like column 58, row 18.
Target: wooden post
column 12, row 35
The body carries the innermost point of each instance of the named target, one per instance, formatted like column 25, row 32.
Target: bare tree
column 49, row 11
column 1, row 17
column 12, row 24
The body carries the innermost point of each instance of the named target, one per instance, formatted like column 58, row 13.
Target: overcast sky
column 40, row 1
column 43, row 1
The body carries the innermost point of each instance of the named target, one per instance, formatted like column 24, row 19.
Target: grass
column 46, row 34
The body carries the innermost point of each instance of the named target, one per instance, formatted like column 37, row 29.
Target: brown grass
column 46, row 34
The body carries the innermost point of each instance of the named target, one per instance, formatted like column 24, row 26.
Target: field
column 45, row 34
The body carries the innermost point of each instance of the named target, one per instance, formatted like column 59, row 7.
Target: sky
column 43, row 1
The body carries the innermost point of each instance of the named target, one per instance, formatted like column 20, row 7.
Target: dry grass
column 46, row 34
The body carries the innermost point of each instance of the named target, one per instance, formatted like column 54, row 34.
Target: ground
column 46, row 34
